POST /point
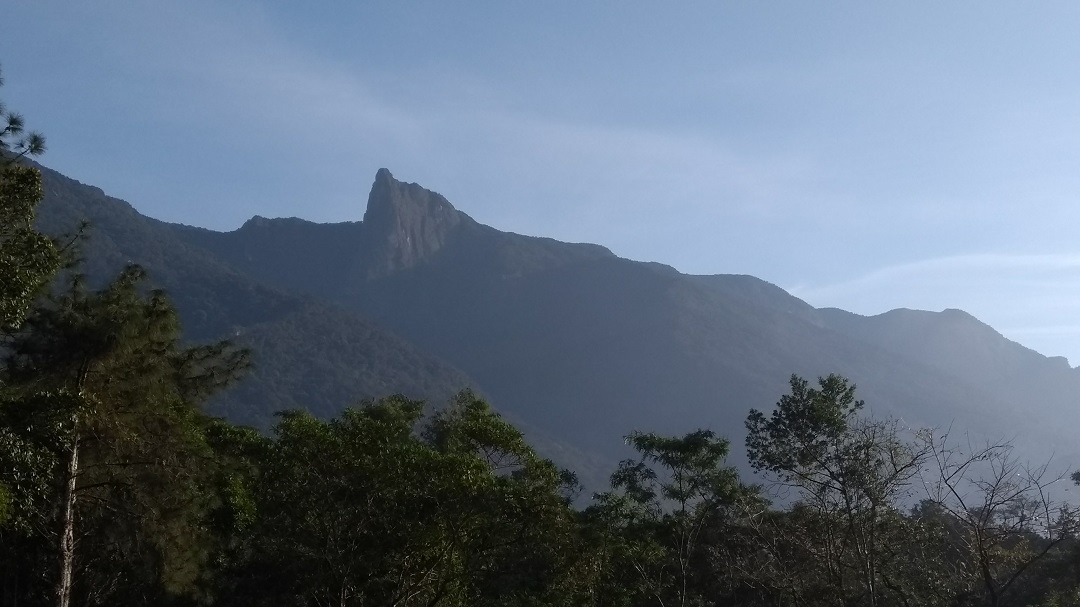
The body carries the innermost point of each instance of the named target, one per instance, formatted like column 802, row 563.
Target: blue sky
column 862, row 155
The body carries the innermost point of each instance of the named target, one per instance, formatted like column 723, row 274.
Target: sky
column 866, row 156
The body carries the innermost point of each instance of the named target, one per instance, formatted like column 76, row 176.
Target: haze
column 862, row 156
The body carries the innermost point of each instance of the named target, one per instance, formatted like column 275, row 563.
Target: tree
column 100, row 388
column 514, row 529
column 1006, row 518
column 375, row 507
column 15, row 141
column 661, row 504
column 28, row 259
column 850, row 475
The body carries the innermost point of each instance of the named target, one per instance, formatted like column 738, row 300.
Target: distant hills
column 575, row 344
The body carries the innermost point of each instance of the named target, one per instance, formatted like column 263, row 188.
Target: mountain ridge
column 482, row 273
column 583, row 346
column 215, row 301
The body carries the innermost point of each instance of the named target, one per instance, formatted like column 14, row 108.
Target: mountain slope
column 571, row 341
column 587, row 346
column 308, row 353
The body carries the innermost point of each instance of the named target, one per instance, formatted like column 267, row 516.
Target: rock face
column 308, row 353
column 404, row 224
column 576, row 344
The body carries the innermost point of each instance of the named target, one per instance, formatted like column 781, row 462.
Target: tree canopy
column 117, row 488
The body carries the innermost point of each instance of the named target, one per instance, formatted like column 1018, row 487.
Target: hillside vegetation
column 131, row 473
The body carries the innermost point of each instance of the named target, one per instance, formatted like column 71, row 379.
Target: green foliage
column 805, row 426
column 15, row 141
column 373, row 508
column 116, row 488
column 385, row 505
column 659, row 509
column 102, row 414
column 851, row 476
column 1070, row 598
column 28, row 259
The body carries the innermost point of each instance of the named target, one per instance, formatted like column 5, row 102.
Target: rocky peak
column 404, row 223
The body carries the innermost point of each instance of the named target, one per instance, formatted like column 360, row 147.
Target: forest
column 116, row 488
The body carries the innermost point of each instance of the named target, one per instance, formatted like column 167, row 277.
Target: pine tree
column 28, row 259
column 100, row 383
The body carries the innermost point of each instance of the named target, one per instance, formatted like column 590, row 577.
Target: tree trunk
column 67, row 528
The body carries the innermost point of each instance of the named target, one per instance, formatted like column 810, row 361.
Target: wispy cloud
column 824, row 166
column 284, row 121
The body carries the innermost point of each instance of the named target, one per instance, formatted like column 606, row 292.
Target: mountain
column 308, row 353
column 578, row 345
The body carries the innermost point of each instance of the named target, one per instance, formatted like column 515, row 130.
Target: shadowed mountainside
column 308, row 353
column 569, row 339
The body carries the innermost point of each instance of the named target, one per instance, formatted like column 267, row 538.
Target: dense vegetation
column 117, row 489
